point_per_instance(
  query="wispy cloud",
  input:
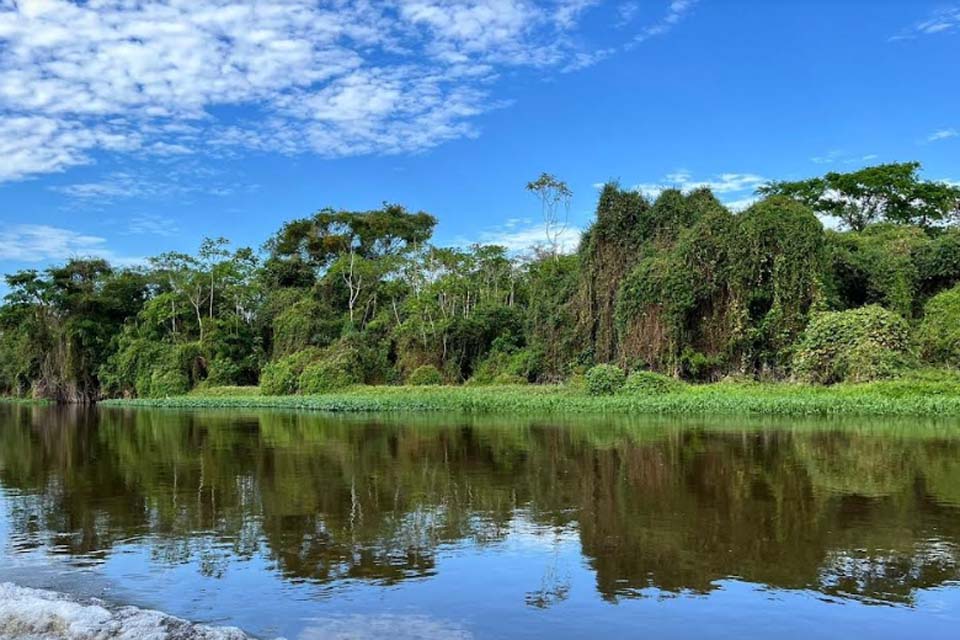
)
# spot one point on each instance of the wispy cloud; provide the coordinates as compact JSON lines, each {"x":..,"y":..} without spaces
{"x":153,"y":225}
{"x":942,"y":134}
{"x":518,"y":235}
{"x":178,"y":182}
{"x":626,"y":12}
{"x":40,"y":243}
{"x":337,"y":78}
{"x":677,"y":11}
{"x":735,"y":190}
{"x":943,"y":20}
{"x":840,"y":156}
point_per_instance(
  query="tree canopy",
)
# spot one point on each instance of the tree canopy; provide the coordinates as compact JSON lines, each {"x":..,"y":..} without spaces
{"x":892,"y":192}
{"x":677,"y":285}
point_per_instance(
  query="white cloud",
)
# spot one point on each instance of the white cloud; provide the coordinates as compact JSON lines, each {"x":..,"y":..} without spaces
{"x":723,"y":184}
{"x":735,"y":190}
{"x":40,"y":243}
{"x":335,"y":78}
{"x":944,"y":20}
{"x":839,"y":155}
{"x":152,"y":224}
{"x":520,"y":234}
{"x":677,"y":11}
{"x":942,"y":134}
{"x":829,"y":157}
{"x":177,"y":182}
{"x":626,"y":12}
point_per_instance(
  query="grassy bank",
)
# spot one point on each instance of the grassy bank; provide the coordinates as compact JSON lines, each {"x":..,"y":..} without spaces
{"x":923,"y":396}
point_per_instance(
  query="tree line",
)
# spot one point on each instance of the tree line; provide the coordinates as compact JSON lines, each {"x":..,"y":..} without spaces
{"x":678,"y":284}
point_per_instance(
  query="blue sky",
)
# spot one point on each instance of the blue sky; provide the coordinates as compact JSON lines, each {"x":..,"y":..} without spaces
{"x":127,"y":129}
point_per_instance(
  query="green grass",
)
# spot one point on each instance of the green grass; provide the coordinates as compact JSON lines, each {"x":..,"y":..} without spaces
{"x":924,"y":394}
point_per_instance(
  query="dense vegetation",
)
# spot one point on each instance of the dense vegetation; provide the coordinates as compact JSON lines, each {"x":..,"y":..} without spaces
{"x":678,"y":286}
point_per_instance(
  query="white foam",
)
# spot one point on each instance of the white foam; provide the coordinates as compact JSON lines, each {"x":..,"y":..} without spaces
{"x":32,"y":614}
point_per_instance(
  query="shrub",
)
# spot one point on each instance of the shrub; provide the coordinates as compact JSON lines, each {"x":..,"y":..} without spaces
{"x":425,"y":375}
{"x":604,"y":380}
{"x":223,"y":373}
{"x":510,"y":378}
{"x":857,"y":345}
{"x":650,"y":383}
{"x":938,"y":335}
{"x":524,"y":365}
{"x":328,"y":375}
{"x":282,"y":377}
{"x":339,"y":365}
{"x":166,"y":382}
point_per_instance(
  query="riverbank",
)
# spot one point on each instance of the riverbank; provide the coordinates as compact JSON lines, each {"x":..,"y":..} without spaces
{"x":927,"y":396}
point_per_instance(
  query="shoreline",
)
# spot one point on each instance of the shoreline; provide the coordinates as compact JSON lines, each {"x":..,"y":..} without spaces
{"x":893,"y":398}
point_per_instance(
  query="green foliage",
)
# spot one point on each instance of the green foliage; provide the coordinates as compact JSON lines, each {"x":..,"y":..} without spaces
{"x":938,"y":335}
{"x":604,"y":379}
{"x":857,"y":345}
{"x":892,"y":192}
{"x":515,"y":365}
{"x":731,"y":291}
{"x":936,"y":395}
{"x":777,"y":261}
{"x":650,"y":382}
{"x":679,"y":285}
{"x":304,"y":322}
{"x":335,"y":371}
{"x":282,"y":377}
{"x":425,"y":375}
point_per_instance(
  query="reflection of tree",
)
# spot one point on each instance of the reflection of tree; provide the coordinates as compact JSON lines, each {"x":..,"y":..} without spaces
{"x":847,"y":512}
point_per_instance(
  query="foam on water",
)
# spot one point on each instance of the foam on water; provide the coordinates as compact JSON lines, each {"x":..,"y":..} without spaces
{"x":32,"y":614}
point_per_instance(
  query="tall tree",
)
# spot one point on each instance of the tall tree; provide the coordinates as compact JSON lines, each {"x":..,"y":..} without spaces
{"x":892,"y":192}
{"x":554,"y":196}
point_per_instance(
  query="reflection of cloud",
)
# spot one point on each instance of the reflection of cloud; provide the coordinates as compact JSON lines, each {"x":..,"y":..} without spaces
{"x":395,"y":627}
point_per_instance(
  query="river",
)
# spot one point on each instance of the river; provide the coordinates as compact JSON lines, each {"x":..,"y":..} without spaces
{"x":306,"y":525}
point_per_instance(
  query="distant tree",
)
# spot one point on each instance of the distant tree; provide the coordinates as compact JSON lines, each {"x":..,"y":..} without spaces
{"x":356,"y":249}
{"x":330,"y":235}
{"x":554,"y":195}
{"x":892,"y":192}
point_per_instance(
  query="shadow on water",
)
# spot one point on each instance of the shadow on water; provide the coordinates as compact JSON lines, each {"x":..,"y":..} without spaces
{"x":855,"y":509}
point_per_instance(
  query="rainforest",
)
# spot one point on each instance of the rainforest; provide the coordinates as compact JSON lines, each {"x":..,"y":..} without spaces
{"x":664,"y":295}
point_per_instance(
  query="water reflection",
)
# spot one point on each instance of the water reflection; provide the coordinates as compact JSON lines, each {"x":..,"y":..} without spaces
{"x":871,"y":512}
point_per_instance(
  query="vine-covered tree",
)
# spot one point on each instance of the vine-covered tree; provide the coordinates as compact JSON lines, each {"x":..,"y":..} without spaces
{"x":678,"y":285}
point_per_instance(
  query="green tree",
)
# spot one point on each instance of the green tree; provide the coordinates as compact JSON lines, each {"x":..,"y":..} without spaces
{"x":892,"y":192}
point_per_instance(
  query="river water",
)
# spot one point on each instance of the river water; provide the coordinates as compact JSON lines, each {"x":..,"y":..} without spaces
{"x":304,"y":525}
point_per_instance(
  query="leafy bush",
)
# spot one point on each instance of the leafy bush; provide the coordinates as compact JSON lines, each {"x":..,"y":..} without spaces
{"x":329,"y":374}
{"x":604,"y":380}
{"x":282,"y":377}
{"x":938,"y":335}
{"x":425,"y":375}
{"x":649,"y":382}
{"x":166,"y":382}
{"x":223,"y":372}
{"x":857,"y":345}
{"x":523,"y":365}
